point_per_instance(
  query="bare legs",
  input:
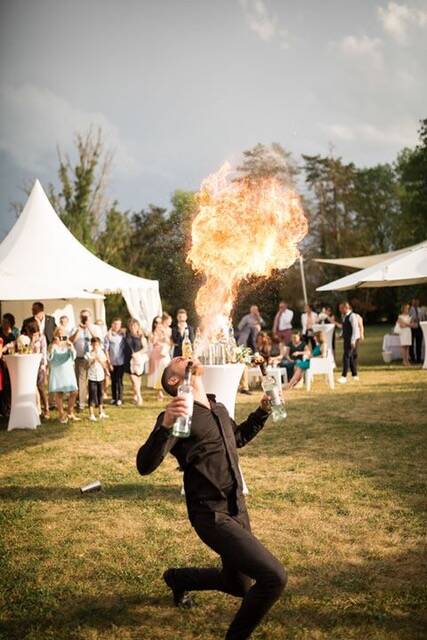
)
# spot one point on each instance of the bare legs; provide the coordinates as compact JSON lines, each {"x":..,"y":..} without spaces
{"x":136,"y":388}
{"x":405,"y":356}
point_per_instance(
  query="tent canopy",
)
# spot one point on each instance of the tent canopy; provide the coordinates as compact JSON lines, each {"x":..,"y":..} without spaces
{"x":409,"y":266}
{"x":45,"y":260}
{"x":363,"y":262}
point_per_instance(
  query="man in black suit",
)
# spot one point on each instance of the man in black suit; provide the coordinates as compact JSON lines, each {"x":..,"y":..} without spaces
{"x":46,"y":323}
{"x":215,"y":502}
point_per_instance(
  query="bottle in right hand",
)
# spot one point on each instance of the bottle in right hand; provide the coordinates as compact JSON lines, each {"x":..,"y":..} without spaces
{"x":274,"y":393}
{"x":182,"y":425}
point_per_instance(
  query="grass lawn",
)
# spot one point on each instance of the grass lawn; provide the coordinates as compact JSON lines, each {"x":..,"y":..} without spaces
{"x":337,"y":493}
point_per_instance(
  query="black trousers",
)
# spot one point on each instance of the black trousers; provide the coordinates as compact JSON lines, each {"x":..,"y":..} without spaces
{"x":416,"y":346}
{"x":244,"y":559}
{"x":117,"y":382}
{"x":96,"y":393}
{"x":349,"y":360}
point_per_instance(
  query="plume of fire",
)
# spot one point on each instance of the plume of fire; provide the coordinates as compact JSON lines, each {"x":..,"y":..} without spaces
{"x":242,"y":228}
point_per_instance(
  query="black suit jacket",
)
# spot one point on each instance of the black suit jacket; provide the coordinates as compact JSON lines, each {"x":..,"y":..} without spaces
{"x":49,"y":326}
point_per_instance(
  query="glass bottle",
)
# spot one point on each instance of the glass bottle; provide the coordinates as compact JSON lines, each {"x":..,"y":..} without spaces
{"x":274,"y":393}
{"x":187,"y":349}
{"x":182,"y":425}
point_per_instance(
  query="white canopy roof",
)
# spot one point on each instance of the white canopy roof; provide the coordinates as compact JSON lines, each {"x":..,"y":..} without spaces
{"x":409,"y":266}
{"x":362,"y":262}
{"x":44,"y":258}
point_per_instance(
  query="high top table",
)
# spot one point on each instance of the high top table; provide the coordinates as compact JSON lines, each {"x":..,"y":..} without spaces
{"x":423,"y":326}
{"x":23,"y":370}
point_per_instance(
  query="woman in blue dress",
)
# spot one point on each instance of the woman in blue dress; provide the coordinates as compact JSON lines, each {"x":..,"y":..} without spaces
{"x":62,"y":377}
{"x":319,"y":350}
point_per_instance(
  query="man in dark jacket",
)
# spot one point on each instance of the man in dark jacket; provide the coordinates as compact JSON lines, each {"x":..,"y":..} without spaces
{"x":215,"y":502}
{"x":46,"y":323}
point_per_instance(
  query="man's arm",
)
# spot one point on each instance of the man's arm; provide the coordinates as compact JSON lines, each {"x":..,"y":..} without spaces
{"x":253,"y":424}
{"x":160,"y":442}
{"x":355,"y":328}
{"x":153,"y":452}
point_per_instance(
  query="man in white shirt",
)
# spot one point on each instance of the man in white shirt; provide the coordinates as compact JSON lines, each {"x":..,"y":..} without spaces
{"x":81,"y":341}
{"x":282,"y":325}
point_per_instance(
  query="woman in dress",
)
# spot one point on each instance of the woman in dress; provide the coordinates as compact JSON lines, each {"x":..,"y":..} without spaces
{"x":405,"y":333}
{"x":39,"y":345}
{"x":136,"y":348}
{"x":152,"y":353}
{"x":161,"y":342}
{"x":319,"y":350}
{"x":62,"y":376}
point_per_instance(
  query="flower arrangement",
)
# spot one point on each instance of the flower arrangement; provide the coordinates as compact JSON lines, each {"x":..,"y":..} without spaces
{"x":23,"y":345}
{"x":243,"y":354}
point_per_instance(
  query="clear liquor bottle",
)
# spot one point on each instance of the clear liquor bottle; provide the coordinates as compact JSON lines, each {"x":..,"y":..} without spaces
{"x":182,"y":425}
{"x":274,"y":393}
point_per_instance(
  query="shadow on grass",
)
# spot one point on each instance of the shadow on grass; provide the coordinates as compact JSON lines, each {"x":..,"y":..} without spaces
{"x":20,"y":438}
{"x":142,"y":491}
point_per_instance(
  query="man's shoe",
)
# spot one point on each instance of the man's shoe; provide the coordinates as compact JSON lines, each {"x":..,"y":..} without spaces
{"x":342,"y":380}
{"x":181,"y":598}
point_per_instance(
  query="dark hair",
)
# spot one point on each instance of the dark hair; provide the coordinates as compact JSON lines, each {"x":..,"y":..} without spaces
{"x":181,"y":311}
{"x":38,"y":306}
{"x":30,"y":328}
{"x":116,"y":319}
{"x":95,"y":339}
{"x":171,"y":389}
{"x":9,"y":318}
{"x":154,"y":323}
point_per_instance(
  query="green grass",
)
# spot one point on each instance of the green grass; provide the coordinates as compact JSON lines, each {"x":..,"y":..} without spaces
{"x":337,"y":493}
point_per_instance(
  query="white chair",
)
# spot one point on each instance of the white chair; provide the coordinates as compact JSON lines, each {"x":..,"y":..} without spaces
{"x":320,"y":366}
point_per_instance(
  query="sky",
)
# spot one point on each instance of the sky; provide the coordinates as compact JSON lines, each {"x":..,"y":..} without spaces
{"x":180,"y":86}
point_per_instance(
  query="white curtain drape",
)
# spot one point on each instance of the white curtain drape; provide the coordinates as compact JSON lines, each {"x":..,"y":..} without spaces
{"x":143,"y":304}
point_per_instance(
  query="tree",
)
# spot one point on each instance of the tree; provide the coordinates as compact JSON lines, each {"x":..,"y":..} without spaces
{"x":268,"y":161}
{"x":113,"y":242}
{"x":82,"y":201}
{"x":411,"y":170}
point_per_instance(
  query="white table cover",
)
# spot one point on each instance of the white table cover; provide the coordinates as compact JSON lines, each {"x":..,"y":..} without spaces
{"x":423,"y":326}
{"x":328,"y":330}
{"x":23,"y":371}
{"x":391,"y":342}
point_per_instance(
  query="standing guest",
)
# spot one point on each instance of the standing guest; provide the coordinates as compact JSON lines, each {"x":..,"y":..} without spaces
{"x":178,"y":332}
{"x":136,"y":356}
{"x":62,"y":375}
{"x":153,"y":353}
{"x":160,"y":348}
{"x":351,"y":335}
{"x":249,"y":327}
{"x":101,"y":333}
{"x":417,"y":315}
{"x":81,"y":341}
{"x":65,"y":324}
{"x":31,"y":328}
{"x":11,"y":319}
{"x":114,"y":345}
{"x":97,"y":366}
{"x":308,"y":320}
{"x":405,"y":332}
{"x":215,"y":502}
{"x":282,"y":325}
{"x":47,"y":324}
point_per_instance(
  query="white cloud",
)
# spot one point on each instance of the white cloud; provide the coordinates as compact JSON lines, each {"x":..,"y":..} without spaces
{"x":259,"y":19}
{"x":398,"y":19}
{"x":35,"y":120}
{"x":401,"y":133}
{"x":364,"y":49}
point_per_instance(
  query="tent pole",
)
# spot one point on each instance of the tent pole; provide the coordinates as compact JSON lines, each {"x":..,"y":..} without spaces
{"x":304,"y":288}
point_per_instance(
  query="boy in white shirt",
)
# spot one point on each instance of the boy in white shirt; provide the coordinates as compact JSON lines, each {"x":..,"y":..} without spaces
{"x":97,"y":366}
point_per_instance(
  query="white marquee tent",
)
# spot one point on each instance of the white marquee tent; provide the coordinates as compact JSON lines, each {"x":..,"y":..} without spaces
{"x":403,"y":267}
{"x":362,"y":262}
{"x":41,"y":260}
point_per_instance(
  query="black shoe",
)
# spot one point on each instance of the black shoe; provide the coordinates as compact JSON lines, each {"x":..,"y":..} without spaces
{"x":181,"y":598}
{"x":246,"y":392}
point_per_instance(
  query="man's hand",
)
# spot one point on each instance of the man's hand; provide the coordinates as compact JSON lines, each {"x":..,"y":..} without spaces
{"x":176,"y":407}
{"x":353,"y":345}
{"x":265,"y":404}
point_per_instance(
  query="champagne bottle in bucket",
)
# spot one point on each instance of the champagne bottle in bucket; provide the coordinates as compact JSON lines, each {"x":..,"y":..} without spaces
{"x":274,"y":393}
{"x":182,"y":425}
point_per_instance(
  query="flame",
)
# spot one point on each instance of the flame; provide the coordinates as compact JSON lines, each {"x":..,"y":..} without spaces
{"x":242,"y":228}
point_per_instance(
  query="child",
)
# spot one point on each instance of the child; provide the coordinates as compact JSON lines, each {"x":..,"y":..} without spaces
{"x":97,"y":361}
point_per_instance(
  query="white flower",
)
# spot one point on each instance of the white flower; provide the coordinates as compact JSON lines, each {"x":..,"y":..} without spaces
{"x":23,"y":341}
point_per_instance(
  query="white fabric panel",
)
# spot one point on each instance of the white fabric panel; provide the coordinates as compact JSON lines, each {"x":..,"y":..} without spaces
{"x":363,"y":262}
{"x":143,"y":304}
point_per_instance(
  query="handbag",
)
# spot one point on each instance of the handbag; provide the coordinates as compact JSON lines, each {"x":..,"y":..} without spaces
{"x":137,"y":363}
{"x":397,"y":328}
